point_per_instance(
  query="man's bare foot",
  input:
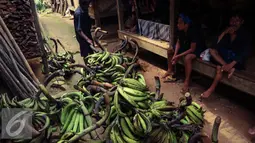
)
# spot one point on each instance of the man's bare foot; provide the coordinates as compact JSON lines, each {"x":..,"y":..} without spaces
{"x":167,"y":74}
{"x":231,"y":72}
{"x":252,"y":131}
{"x":185,"y":88}
{"x":206,"y":94}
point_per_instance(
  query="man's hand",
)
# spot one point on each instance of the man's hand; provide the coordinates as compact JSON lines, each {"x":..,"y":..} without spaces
{"x":230,"y":30}
{"x":228,"y":67}
{"x":175,"y":59}
{"x":90,"y":41}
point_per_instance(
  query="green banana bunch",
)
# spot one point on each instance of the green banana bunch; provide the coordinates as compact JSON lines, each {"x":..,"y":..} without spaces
{"x":41,"y":121}
{"x":162,"y":135}
{"x":134,"y":84}
{"x":195,"y":113}
{"x":141,"y":124}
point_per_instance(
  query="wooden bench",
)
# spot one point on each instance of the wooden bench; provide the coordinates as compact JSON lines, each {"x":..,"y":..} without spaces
{"x":241,"y":80}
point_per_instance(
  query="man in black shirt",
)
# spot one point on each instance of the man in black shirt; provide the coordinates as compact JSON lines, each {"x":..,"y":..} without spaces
{"x":189,"y":46}
{"x":82,"y":26}
{"x":230,"y":52}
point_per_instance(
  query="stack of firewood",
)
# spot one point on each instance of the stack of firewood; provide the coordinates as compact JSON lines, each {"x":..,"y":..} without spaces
{"x":59,"y":6}
{"x":14,"y":68}
{"x":17,"y":15}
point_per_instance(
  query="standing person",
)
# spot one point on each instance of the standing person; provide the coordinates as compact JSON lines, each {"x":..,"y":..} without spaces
{"x":82,"y":26}
{"x":230,"y":52}
{"x":189,"y":46}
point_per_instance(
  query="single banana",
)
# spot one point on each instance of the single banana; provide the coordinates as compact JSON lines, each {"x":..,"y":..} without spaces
{"x":126,"y":130}
{"x":117,"y":105}
{"x":141,"y":78}
{"x":76,"y":122}
{"x":71,"y":124}
{"x":134,"y":92}
{"x":125,"y":96}
{"x":81,"y":123}
{"x":68,"y":120}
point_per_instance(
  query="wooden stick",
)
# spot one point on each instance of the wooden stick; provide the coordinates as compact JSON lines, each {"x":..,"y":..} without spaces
{"x":6,"y":30}
{"x":39,"y":36}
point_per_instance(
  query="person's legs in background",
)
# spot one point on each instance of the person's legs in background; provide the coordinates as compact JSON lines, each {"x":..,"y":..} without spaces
{"x":216,"y":80}
{"x":188,"y":69}
{"x":169,"y":72}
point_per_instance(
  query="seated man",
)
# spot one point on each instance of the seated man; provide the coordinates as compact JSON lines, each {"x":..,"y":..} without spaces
{"x":189,"y":46}
{"x":230,"y":52}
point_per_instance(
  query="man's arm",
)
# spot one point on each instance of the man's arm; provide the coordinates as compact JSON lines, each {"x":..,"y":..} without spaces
{"x":191,"y":50}
{"x":79,"y":30}
{"x":177,"y":47}
{"x":83,"y":35}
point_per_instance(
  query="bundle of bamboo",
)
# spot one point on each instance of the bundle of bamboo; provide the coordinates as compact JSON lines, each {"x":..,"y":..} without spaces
{"x":14,"y":68}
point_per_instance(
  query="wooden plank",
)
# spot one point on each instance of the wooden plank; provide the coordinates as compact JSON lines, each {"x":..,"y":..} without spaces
{"x":155,"y":46}
{"x":96,"y":13}
{"x":40,"y":42}
{"x":120,"y":14}
{"x":172,"y":24}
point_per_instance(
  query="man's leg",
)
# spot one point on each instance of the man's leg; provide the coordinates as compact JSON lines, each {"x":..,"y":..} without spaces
{"x":214,"y":53}
{"x":170,"y":53}
{"x":188,"y":68}
{"x":217,"y":78}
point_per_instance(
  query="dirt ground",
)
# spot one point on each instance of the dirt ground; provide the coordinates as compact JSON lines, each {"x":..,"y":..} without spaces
{"x":235,"y":108}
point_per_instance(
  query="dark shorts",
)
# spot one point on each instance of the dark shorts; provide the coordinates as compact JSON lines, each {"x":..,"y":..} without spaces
{"x":185,"y":48}
{"x":85,"y":49}
{"x":227,"y":56}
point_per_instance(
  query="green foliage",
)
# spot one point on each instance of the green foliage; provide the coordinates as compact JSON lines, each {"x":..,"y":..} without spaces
{"x":41,"y":7}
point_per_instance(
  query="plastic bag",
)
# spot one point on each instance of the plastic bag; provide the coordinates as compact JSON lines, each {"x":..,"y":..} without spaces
{"x":205,"y":56}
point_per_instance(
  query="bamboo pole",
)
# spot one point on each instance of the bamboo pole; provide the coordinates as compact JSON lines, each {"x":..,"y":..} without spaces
{"x":96,"y":13}
{"x":120,"y":15}
{"x":17,"y":49}
{"x":172,"y":23}
{"x":40,"y":38}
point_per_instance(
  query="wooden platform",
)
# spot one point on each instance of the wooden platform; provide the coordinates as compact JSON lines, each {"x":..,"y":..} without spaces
{"x":241,"y":80}
{"x":155,"y":46}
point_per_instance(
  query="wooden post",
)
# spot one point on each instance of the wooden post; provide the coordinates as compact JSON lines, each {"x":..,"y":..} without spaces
{"x":96,"y":13}
{"x":120,"y":14}
{"x":39,"y":36}
{"x":172,"y":23}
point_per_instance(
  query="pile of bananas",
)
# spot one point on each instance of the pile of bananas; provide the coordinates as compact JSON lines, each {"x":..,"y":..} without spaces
{"x":75,"y":114}
{"x":109,"y":67}
{"x":137,"y":115}
{"x":130,"y":112}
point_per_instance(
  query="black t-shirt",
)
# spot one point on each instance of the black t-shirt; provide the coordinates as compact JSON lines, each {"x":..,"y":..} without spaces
{"x":82,"y":22}
{"x":193,"y":35}
{"x":240,"y":46}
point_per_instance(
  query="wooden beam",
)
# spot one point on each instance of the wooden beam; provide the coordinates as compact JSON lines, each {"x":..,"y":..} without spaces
{"x":96,"y":13}
{"x":172,"y":24}
{"x":40,"y":38}
{"x":120,"y":14}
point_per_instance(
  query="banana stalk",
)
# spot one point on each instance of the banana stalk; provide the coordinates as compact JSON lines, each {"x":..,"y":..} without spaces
{"x":215,"y":131}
